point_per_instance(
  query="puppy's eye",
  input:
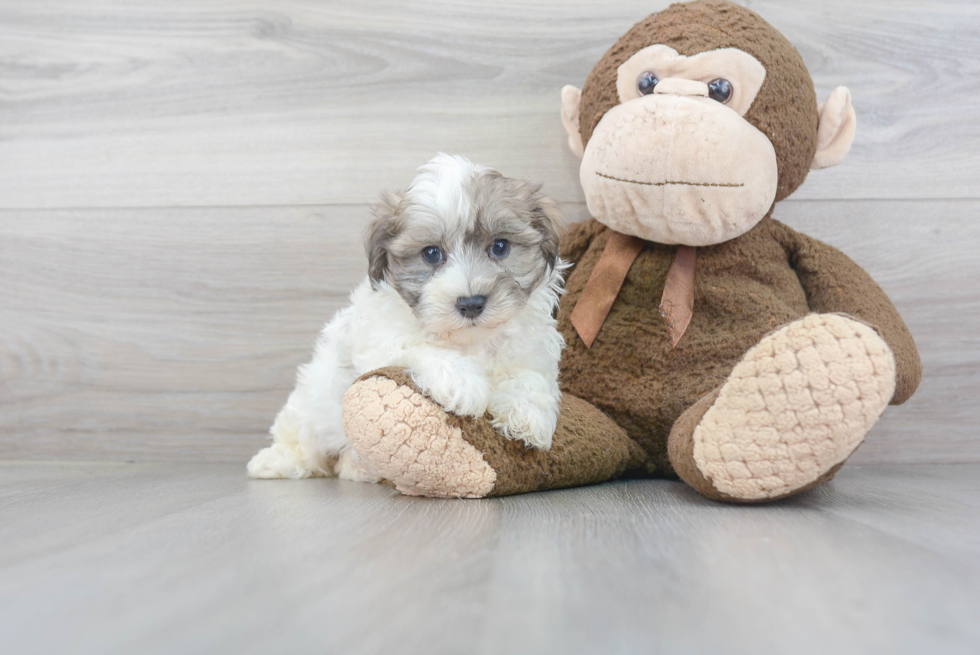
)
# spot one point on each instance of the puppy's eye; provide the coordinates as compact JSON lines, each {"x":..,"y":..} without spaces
{"x":720,"y":90}
{"x":432,"y":255}
{"x":645,"y":83}
{"x":500,"y":249}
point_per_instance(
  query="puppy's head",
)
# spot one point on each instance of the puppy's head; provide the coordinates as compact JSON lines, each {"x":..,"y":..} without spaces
{"x":464,"y":246}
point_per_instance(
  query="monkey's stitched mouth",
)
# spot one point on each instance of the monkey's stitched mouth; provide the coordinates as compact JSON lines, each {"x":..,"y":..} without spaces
{"x":666,"y":183}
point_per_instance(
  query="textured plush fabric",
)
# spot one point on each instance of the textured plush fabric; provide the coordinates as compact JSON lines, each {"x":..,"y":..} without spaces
{"x":678,"y":169}
{"x":422,"y":450}
{"x":676,"y":71}
{"x":834,"y":283}
{"x":744,"y":289}
{"x":588,"y":447}
{"x":795,"y":406}
{"x":681,"y":446}
{"x":406,"y":438}
{"x":785,"y":109}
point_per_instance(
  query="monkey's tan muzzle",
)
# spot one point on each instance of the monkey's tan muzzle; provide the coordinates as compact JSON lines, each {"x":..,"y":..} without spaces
{"x":678,"y":168}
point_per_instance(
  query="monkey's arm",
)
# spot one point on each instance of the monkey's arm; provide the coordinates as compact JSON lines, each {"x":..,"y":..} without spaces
{"x":834,"y":283}
{"x":577,"y":239}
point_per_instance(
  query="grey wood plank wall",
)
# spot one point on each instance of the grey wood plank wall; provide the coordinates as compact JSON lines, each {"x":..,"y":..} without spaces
{"x":183,"y":186}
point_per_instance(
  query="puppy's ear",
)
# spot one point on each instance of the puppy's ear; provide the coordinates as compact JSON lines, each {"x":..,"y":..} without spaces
{"x":380,"y":233}
{"x":548,"y":221}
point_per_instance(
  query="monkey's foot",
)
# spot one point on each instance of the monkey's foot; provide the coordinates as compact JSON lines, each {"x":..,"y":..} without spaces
{"x":410,"y":441}
{"x":424,"y":451}
{"x":789,"y":415}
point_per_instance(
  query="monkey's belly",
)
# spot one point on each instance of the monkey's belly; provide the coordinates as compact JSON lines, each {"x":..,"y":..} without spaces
{"x":632,"y":373}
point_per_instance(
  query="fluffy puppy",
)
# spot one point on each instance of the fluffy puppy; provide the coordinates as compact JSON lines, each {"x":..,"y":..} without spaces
{"x":463,"y":282}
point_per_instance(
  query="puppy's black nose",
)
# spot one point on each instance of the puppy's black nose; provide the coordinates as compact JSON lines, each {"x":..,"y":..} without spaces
{"x":471,"y":306}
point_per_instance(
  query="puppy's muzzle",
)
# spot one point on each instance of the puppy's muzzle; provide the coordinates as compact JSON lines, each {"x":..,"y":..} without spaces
{"x":471,"y":306}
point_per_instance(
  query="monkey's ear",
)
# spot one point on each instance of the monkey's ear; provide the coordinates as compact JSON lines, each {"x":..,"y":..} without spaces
{"x":571,"y":98}
{"x":379,"y":234}
{"x":836,"y":131}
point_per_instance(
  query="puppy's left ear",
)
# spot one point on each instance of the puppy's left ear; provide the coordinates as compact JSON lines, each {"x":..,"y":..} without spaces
{"x":548,"y":221}
{"x":379,"y":234}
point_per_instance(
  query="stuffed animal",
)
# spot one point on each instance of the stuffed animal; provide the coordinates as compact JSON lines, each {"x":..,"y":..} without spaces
{"x":705,"y":340}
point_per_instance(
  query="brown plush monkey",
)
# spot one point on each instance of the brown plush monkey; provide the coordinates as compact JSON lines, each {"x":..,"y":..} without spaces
{"x":705,"y":339}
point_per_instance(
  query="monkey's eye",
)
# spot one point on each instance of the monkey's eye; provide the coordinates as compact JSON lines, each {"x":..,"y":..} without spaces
{"x":500,"y":249}
{"x":432,"y":255}
{"x":645,"y":83}
{"x":720,"y":90}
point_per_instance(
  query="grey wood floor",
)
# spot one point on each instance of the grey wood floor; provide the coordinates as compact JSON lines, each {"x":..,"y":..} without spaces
{"x":194,"y":558}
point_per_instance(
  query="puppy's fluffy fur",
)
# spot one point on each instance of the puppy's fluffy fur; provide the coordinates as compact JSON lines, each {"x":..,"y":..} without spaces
{"x":497,"y":241}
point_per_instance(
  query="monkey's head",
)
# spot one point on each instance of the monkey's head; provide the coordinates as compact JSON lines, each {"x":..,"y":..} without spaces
{"x":696,"y":122}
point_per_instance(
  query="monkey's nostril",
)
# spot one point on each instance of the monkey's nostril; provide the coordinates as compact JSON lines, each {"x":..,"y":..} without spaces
{"x":471,"y":306}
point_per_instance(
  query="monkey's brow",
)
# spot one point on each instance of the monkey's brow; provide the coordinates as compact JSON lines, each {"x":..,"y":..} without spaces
{"x":619,"y":179}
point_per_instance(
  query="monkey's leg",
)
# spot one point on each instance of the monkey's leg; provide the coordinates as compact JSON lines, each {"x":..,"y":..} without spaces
{"x":425,"y":451}
{"x":789,"y":415}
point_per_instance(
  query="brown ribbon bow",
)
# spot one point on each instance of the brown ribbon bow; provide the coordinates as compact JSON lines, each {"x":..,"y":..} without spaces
{"x":599,"y":294}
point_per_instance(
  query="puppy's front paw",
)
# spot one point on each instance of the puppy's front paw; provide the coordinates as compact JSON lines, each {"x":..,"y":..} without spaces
{"x":459,"y":387}
{"x":522,"y":419}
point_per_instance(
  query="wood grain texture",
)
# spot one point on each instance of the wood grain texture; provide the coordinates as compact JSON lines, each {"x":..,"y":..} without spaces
{"x":192,"y":558}
{"x":175,"y":333}
{"x":119,"y":326}
{"x":189,"y":103}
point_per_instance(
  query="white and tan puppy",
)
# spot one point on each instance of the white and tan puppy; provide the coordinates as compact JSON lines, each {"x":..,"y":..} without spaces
{"x":463,"y":283}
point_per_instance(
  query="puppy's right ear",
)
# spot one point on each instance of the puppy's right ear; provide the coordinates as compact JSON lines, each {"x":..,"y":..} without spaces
{"x":379,"y":235}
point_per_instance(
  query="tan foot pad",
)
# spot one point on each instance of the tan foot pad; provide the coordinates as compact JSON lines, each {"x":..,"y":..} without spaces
{"x":408,"y":440}
{"x":796,"y":406}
